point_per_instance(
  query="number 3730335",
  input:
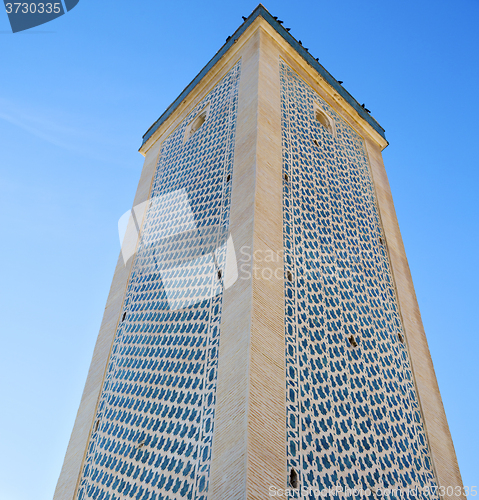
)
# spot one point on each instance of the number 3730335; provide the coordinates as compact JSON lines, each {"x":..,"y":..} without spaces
{"x":33,"y":8}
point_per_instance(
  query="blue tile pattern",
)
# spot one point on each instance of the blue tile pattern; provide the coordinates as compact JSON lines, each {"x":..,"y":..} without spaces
{"x":353,"y":417}
{"x":153,"y":430}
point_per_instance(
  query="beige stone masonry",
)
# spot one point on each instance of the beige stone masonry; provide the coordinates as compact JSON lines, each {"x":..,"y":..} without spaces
{"x":267,"y":418}
{"x":229,"y":453}
{"x":437,"y":429}
{"x":249,"y":444}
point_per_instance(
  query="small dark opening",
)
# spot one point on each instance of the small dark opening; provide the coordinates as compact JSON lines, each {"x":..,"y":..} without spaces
{"x":286,"y":178}
{"x":290,"y":276}
{"x":401,"y":338}
{"x":219,"y":275}
{"x":123,"y":317}
{"x":381,"y":240}
{"x":293,"y":479}
{"x":228,"y":177}
{"x":352,"y":341}
{"x":140,"y":445}
{"x":95,"y":428}
{"x":316,"y":143}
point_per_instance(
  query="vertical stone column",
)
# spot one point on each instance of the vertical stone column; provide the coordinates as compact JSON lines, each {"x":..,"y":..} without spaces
{"x":229,"y":453}
{"x":249,"y":444}
{"x":435,"y":422}
{"x":267,"y":406}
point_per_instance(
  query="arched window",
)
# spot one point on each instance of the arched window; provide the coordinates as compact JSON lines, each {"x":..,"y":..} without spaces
{"x":197,"y":122}
{"x":324,"y":119}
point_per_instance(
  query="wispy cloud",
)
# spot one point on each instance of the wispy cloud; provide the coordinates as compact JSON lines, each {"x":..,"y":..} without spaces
{"x":34,"y":122}
{"x":56,"y":128}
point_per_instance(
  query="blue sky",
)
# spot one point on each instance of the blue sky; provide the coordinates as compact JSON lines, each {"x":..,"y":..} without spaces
{"x":77,"y":94}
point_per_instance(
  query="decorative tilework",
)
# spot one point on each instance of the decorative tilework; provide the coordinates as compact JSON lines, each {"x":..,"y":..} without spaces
{"x":353,"y":417}
{"x":153,"y":430}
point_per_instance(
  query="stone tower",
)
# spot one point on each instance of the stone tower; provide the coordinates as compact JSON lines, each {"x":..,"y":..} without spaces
{"x":262,"y":332}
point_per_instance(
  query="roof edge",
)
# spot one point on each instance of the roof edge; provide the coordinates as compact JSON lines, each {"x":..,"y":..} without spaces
{"x":260,"y":10}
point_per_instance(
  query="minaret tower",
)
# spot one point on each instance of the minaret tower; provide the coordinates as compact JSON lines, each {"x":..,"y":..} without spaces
{"x":262,"y":333}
